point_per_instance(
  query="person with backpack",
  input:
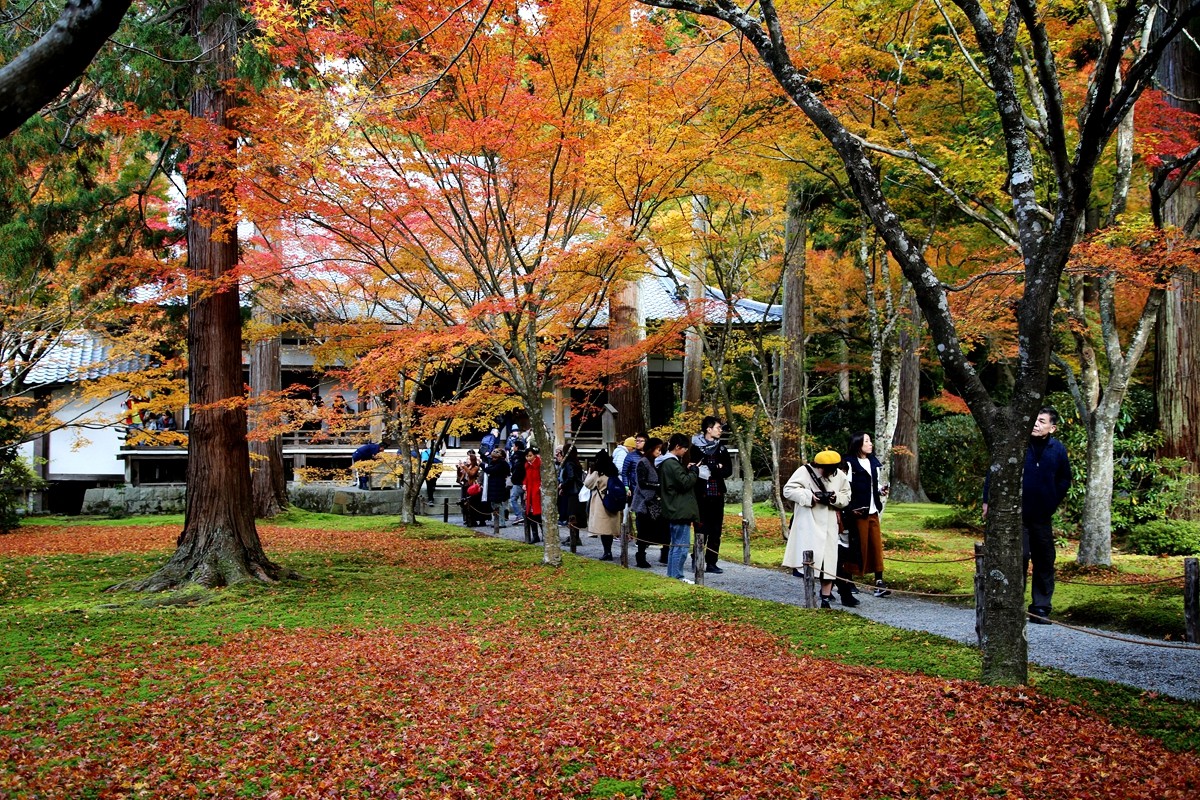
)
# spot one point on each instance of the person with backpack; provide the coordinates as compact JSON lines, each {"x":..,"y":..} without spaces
{"x":604,"y":483}
{"x":818,"y":490}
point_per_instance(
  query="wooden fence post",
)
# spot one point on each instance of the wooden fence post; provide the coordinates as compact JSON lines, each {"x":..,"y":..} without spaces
{"x":1191,"y":599}
{"x":745,"y":540}
{"x":445,"y":509}
{"x":979,"y":603}
{"x":810,"y":594}
{"x":625,"y":523}
{"x":496,"y":521}
{"x":573,"y":533}
{"x":699,"y":540}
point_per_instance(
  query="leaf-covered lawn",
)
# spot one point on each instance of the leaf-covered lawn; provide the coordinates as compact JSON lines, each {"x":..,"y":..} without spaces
{"x":496,"y":677}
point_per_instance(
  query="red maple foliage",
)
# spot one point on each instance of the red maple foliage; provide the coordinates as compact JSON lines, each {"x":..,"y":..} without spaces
{"x":543,"y":706}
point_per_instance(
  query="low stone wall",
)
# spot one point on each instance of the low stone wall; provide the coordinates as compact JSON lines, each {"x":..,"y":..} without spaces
{"x":344,"y":499}
{"x":124,"y":501}
{"x":763,"y":491}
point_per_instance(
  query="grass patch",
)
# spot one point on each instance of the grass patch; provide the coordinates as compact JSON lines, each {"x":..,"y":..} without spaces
{"x":80,"y":663}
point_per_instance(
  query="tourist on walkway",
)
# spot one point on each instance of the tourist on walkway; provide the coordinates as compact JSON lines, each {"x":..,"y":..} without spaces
{"x":495,"y":487}
{"x":1044,"y":485}
{"x":516,"y":476}
{"x":818,"y":493}
{"x":715,"y":465}
{"x":602,"y":522}
{"x":636,"y":445}
{"x":678,"y":487}
{"x":647,"y":503}
{"x":488,"y":443}
{"x":365,"y":452}
{"x":867,"y":498}
{"x":570,"y":480}
{"x":533,"y":494}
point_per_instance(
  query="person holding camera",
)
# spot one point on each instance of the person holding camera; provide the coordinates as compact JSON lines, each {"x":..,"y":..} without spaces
{"x":713,"y":465}
{"x":818,"y":490}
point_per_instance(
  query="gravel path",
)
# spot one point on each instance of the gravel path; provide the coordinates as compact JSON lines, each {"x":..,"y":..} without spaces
{"x":1141,"y":663}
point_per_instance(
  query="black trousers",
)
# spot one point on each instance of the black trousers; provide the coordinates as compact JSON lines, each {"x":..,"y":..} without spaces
{"x":712,"y":516}
{"x":1037,"y":541}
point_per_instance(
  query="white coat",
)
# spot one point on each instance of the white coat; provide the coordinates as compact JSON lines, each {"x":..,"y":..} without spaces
{"x":815,"y":527}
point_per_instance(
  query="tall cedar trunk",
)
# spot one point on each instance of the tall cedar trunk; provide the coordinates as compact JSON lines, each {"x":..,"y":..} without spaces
{"x":219,"y":544}
{"x":906,"y":458}
{"x":1177,"y":352}
{"x":269,"y":484}
{"x":791,"y":380}
{"x":625,"y":330}
{"x":693,"y":339}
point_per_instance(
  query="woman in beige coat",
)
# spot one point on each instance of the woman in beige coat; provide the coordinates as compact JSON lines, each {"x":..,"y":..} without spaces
{"x":818,"y":493}
{"x":600,"y":522}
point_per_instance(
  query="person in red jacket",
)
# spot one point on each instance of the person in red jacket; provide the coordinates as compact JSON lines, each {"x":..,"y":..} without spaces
{"x":533,"y":493}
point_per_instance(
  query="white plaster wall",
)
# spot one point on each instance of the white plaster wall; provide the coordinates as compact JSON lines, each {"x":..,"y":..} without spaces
{"x":78,"y":450}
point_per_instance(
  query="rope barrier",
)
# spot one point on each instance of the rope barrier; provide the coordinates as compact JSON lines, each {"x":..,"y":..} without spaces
{"x":926,"y":561}
{"x":1115,"y":637}
{"x":1120,"y":585}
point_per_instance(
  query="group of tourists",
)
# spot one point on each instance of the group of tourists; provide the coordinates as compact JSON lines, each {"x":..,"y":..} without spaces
{"x":668,"y":489}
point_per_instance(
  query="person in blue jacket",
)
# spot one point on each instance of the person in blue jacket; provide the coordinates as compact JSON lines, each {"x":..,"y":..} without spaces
{"x":1044,"y":485}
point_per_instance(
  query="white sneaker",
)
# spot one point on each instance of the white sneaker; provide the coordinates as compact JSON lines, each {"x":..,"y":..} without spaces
{"x":688,"y":581}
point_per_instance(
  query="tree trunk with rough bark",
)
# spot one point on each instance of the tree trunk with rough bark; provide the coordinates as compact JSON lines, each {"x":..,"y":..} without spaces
{"x":627,"y":390}
{"x":219,"y":544}
{"x":906,"y":457}
{"x":693,"y":339}
{"x":269,"y":484}
{"x":1177,"y":348}
{"x":791,"y":379}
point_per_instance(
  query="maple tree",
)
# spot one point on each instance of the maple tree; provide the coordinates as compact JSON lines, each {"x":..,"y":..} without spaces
{"x":500,"y":178}
{"x":1047,"y":206}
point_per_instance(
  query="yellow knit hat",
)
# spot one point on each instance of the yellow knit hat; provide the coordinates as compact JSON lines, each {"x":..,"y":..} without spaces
{"x":631,"y":442}
{"x":828,"y":458}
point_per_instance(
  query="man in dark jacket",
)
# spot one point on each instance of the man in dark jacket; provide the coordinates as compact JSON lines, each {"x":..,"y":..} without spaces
{"x":496,"y":470}
{"x":516,"y":476}
{"x":714,"y":465}
{"x":1044,"y":484}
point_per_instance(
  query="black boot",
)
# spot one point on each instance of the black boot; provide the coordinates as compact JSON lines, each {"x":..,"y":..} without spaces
{"x":641,"y":560}
{"x":662,"y":558}
{"x":848,"y":598}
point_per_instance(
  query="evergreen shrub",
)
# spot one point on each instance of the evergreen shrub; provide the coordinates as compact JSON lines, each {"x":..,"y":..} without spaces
{"x":1172,"y":537}
{"x":953,"y":460}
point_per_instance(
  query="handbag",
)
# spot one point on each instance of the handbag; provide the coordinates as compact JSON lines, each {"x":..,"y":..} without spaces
{"x":585,"y":494}
{"x":654,"y":507}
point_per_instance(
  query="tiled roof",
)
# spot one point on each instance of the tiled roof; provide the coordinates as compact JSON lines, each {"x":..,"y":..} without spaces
{"x":662,"y":298}
{"x":79,"y":356}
